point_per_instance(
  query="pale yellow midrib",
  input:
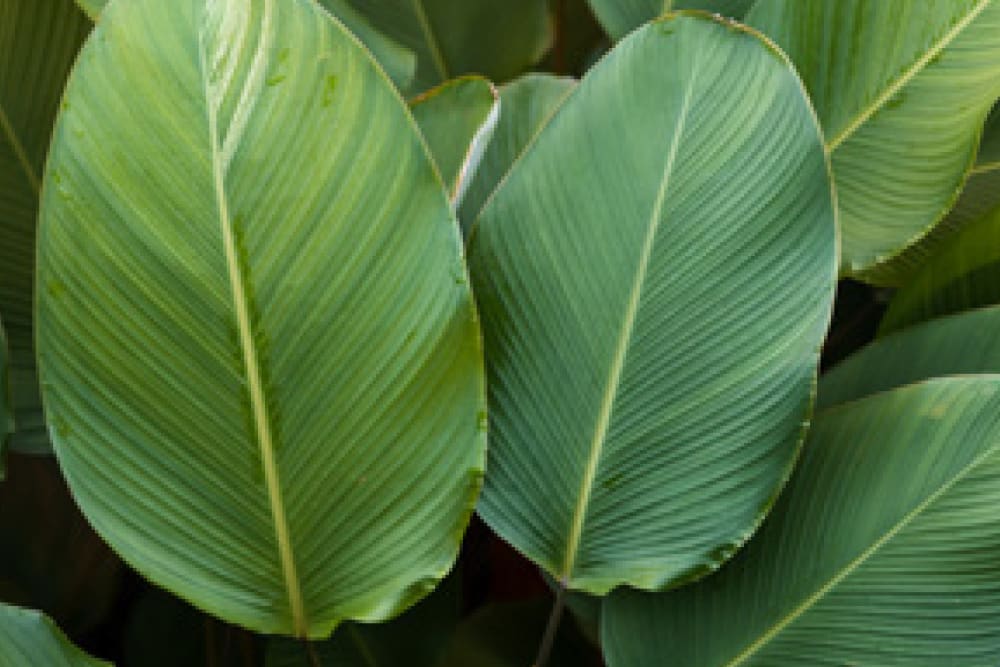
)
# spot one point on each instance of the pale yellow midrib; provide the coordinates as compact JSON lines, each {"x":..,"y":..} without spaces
{"x":19,"y":151}
{"x":254,"y":378}
{"x":985,"y":168}
{"x":621,"y":349}
{"x":849,"y":569}
{"x":435,"y":48}
{"x":906,"y":77}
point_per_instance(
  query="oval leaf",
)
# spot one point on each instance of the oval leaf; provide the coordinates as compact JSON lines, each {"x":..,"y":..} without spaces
{"x":399,"y":62}
{"x":653,"y":301}
{"x":457,"y":119}
{"x":619,"y":17}
{"x":262,"y":362}
{"x":38,"y":42}
{"x":965,"y":273}
{"x":878,"y":552}
{"x":28,"y":639}
{"x":527,"y":105}
{"x":902,"y":90}
{"x":963,"y":344}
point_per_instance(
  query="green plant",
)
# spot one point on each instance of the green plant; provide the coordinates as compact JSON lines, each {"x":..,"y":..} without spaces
{"x":297,"y":279}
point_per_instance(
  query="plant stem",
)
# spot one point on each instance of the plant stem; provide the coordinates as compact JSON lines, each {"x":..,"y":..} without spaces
{"x":549,"y":638}
{"x":314,"y":660}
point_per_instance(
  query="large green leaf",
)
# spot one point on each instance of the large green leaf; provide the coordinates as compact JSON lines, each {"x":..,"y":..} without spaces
{"x":38,"y":41}
{"x":29,"y":639}
{"x":653,"y":301}
{"x":963,"y":274}
{"x":962,"y":344}
{"x":902,"y":89}
{"x":453,"y":37}
{"x":399,"y":62}
{"x":881,"y":551}
{"x":621,"y":16}
{"x":980,"y":196}
{"x":458,"y":119}
{"x":260,"y":356}
{"x":526,"y":107}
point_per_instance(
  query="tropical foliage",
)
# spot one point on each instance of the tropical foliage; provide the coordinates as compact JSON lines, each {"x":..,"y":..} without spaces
{"x":449,"y":333}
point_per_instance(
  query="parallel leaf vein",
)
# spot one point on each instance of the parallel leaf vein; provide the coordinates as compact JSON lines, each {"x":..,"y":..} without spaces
{"x":432,"y":42}
{"x":255,"y":382}
{"x":906,"y":77}
{"x":852,"y":566}
{"x":621,"y":349}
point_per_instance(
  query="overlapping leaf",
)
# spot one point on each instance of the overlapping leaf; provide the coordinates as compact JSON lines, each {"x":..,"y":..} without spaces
{"x":902,"y":90}
{"x":963,"y":274}
{"x":980,"y":195}
{"x":879,"y":552}
{"x":655,"y":277}
{"x":38,"y":41}
{"x":454,"y":37}
{"x":458,"y":119}
{"x":29,"y":639}
{"x":961,"y":344}
{"x":621,"y":16}
{"x":399,"y":62}
{"x":527,"y":105}
{"x":260,"y":355}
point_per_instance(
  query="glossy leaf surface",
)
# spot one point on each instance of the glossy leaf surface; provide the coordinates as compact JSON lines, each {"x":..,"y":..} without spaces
{"x":879,"y":552}
{"x":38,"y":41}
{"x":458,"y":119}
{"x":652,"y":320}
{"x":902,"y":90}
{"x":261,"y":356}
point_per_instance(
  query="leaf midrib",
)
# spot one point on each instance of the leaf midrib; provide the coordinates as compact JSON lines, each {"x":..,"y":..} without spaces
{"x":221,"y":154}
{"x":911,"y":72}
{"x":621,"y":348}
{"x":807,"y":604}
{"x":437,"y":55}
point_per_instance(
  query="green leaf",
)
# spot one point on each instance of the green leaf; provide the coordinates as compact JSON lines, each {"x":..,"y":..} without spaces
{"x":264,"y":389}
{"x":399,"y":62}
{"x":980,"y":196}
{"x":458,"y":119}
{"x":38,"y":42}
{"x":902,"y":90}
{"x":418,"y":638}
{"x":963,"y":274}
{"x":29,"y":639}
{"x":879,"y":552}
{"x":619,"y":17}
{"x":526,"y":107}
{"x":453,"y":37}
{"x":962,"y":344}
{"x":653,"y":301}
{"x":50,"y":558}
